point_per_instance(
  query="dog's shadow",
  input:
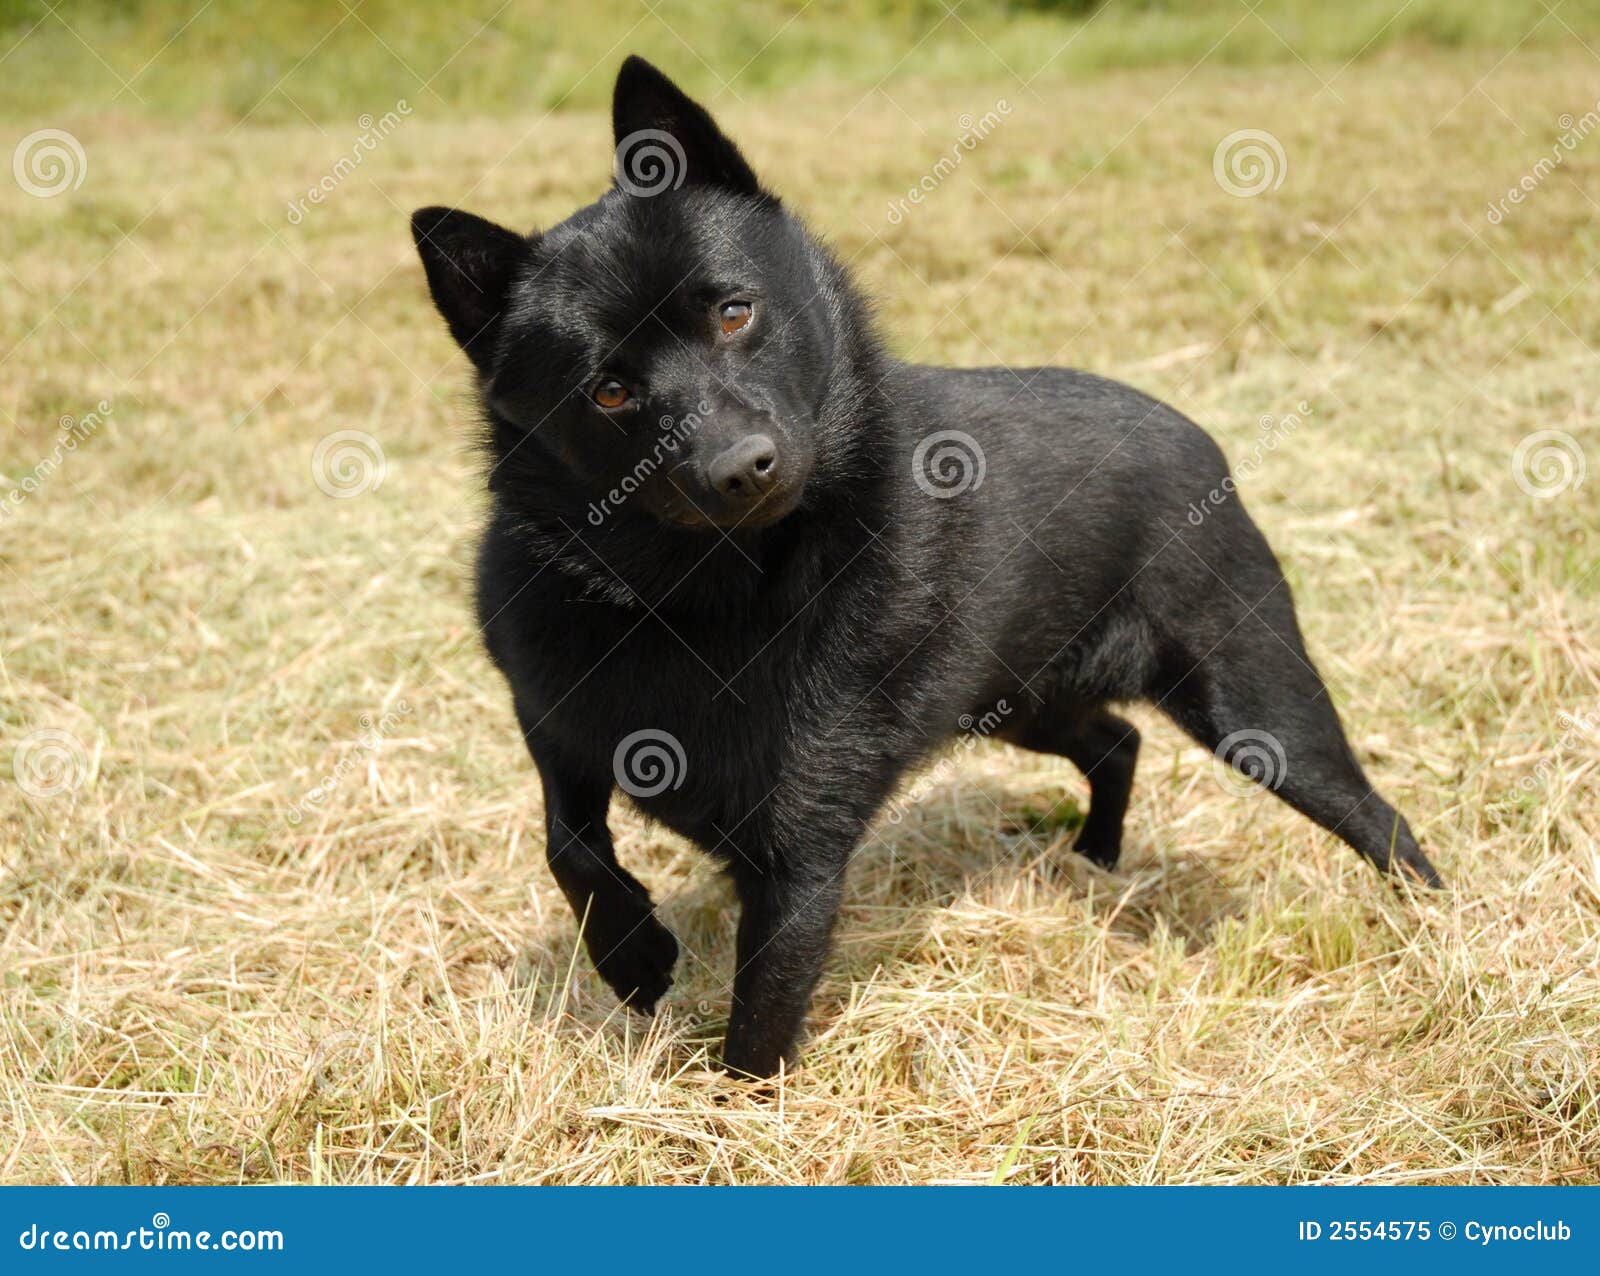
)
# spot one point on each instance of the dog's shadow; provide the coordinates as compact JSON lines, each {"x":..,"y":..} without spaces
{"x":998,"y":845}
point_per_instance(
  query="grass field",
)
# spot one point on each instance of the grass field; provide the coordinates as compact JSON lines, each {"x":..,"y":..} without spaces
{"x":272,"y":898}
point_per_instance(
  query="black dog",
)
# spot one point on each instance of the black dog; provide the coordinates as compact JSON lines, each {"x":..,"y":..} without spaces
{"x":750,"y":569}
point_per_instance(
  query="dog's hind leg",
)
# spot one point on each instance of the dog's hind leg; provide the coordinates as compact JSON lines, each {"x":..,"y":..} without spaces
{"x":1106,"y":749}
{"x":1255,"y":700}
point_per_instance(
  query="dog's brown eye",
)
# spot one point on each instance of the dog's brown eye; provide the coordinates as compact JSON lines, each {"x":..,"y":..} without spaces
{"x":608,"y":392}
{"x":735,"y":314}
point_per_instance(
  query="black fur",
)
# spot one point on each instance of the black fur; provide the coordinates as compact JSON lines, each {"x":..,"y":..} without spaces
{"x":747,"y":562}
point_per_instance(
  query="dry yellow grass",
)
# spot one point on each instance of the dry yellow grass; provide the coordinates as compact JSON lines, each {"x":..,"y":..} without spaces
{"x":197,"y":988}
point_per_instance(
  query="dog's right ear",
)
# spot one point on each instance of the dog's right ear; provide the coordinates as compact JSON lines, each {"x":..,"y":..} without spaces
{"x":470,"y":264}
{"x":664,"y":138}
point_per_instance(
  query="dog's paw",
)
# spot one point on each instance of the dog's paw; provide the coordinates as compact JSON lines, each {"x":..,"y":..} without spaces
{"x":635,"y":954}
{"x":1099,"y":849}
{"x":754,"y":1065}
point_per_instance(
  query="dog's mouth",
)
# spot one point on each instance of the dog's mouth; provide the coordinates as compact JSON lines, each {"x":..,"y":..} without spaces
{"x":771,"y":507}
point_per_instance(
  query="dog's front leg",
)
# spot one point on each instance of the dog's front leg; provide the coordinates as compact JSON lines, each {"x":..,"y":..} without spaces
{"x":633,"y":952}
{"x":786,"y":919}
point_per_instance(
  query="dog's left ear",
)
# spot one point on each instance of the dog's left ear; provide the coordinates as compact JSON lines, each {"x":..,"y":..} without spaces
{"x":470,"y":263}
{"x":665,"y":139}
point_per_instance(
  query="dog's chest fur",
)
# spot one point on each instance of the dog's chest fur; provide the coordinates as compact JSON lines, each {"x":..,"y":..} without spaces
{"x":737,"y":701}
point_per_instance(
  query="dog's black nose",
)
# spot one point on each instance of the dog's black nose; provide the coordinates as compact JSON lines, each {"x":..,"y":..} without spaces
{"x":746,"y":470}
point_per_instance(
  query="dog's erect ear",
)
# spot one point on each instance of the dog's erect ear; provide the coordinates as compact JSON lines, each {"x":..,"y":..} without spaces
{"x":665,"y":140}
{"x":470,"y":263}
